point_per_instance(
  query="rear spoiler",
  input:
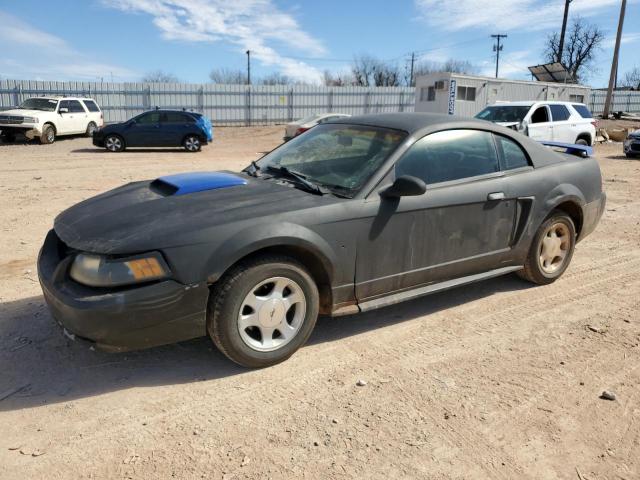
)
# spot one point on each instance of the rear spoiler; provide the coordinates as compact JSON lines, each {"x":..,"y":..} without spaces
{"x":570,"y":148}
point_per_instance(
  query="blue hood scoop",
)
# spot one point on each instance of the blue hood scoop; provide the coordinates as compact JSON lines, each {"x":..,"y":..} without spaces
{"x":185,"y":183}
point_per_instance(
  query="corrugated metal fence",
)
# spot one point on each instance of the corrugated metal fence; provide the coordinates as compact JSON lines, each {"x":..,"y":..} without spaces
{"x":622,"y":101}
{"x":243,"y":105}
{"x":224,"y":104}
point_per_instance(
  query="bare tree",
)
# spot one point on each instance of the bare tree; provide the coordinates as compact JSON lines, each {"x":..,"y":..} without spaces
{"x":159,"y":76}
{"x":632,"y":79}
{"x":369,"y":71}
{"x":227,"y":76}
{"x":580,"y":48}
{"x":277,"y":78}
{"x":338,"y":79}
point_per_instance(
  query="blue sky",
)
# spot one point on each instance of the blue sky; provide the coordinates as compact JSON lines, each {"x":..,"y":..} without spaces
{"x":124,"y":39}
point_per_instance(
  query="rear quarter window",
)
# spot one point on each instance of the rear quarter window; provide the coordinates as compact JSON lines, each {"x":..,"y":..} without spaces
{"x":91,"y":105}
{"x":583,"y":111}
{"x":513,"y":156}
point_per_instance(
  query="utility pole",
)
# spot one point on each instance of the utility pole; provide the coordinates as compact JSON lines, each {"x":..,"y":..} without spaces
{"x":564,"y":29}
{"x":498,"y":48}
{"x":614,"y":64}
{"x":248,"y":67}
{"x":413,"y":59}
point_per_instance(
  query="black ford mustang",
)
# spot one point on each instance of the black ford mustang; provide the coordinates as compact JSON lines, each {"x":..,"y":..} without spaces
{"x":351,"y":216}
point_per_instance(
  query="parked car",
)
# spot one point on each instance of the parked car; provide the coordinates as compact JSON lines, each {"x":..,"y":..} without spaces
{"x":632,"y":144}
{"x":565,"y":122}
{"x":351,"y":216}
{"x":157,"y":128}
{"x":46,"y":118}
{"x":294,"y":129}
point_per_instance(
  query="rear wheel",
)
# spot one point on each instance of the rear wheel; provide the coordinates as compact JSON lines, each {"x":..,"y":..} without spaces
{"x":90,"y":129}
{"x":48,"y":135}
{"x":582,"y":141}
{"x":192,"y":143}
{"x":551,"y":250}
{"x":263,"y":311}
{"x":114,"y":143}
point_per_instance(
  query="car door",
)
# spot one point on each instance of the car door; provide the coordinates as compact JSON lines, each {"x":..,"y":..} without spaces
{"x":144,"y":131}
{"x":462,"y":225}
{"x":64,"y":124}
{"x":174,"y":126}
{"x":562,"y":129}
{"x":539,"y":126}
{"x":78,"y":117}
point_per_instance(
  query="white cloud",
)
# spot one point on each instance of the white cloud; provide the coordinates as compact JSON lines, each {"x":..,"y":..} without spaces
{"x":255,"y":25}
{"x":48,"y":57}
{"x":512,"y":65}
{"x":631,"y":37}
{"x":506,"y":15}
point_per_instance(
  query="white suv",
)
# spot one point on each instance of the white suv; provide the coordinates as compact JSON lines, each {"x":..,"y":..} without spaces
{"x":565,"y":122}
{"x":48,"y":117}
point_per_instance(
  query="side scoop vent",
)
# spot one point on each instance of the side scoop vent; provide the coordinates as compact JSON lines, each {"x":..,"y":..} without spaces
{"x":185,"y":183}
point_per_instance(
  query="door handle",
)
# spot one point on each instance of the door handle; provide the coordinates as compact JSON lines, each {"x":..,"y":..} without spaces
{"x":492,"y":197}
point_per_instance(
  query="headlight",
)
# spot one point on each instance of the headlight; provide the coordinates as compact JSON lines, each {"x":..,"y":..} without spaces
{"x":30,"y":119}
{"x":98,"y":271}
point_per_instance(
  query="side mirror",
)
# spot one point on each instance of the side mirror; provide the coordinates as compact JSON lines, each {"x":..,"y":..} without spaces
{"x":63,"y":110}
{"x":405,"y":186}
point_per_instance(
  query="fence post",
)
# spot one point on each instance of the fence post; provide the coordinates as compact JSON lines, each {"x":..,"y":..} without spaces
{"x":290,"y":105}
{"x":200,"y":99}
{"x":366,"y":101}
{"x":402,"y":101}
{"x":330,"y":101}
{"x":247,"y":110}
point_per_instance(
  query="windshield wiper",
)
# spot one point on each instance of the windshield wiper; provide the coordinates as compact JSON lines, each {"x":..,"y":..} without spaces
{"x":253,"y":169}
{"x":301,"y":179}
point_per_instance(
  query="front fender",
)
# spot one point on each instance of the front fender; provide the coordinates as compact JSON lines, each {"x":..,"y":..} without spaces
{"x":254,"y":238}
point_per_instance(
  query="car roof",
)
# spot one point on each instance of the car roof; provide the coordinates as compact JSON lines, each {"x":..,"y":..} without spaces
{"x":528,"y":103}
{"x":59,"y":97}
{"x":408,"y":122}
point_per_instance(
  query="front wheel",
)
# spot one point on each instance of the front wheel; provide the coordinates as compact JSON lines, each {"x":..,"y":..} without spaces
{"x":48,"y":135}
{"x":263,"y":311}
{"x":551,"y":250}
{"x":114,"y":143}
{"x":192,"y":143}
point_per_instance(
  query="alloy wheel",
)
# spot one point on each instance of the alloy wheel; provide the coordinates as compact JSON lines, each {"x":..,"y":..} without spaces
{"x":192,"y":144}
{"x":554,"y":247}
{"x":272,"y":314}
{"x":113,"y":144}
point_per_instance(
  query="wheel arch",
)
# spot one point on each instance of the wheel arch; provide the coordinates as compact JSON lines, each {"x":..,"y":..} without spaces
{"x":50,"y":123}
{"x":299,"y":243}
{"x":585,"y":136}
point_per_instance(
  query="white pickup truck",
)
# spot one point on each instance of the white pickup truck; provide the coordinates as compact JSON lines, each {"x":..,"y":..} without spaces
{"x":565,"y":122}
{"x":46,"y":118}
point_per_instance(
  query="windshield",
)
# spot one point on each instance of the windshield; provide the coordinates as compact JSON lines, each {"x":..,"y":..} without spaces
{"x":504,"y":113}
{"x":44,"y":104}
{"x":337,"y":156}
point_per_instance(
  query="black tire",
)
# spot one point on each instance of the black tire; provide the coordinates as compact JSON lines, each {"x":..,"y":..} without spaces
{"x":582,"y":141}
{"x":114,"y":143}
{"x":8,"y":137}
{"x":192,"y":143}
{"x":48,"y":135}
{"x":92,"y":127}
{"x":533,"y":269}
{"x":227,"y":298}
{"x":630,"y":155}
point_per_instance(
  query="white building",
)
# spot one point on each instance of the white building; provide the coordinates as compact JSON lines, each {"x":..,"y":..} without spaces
{"x":466,"y":95}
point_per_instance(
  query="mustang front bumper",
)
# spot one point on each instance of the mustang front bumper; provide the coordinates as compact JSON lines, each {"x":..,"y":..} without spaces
{"x":120,"y":319}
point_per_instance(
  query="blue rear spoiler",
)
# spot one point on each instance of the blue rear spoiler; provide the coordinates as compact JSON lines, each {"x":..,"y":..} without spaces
{"x":570,"y":148}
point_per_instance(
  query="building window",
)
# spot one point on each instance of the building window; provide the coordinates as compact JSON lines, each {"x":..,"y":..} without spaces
{"x":427,"y":94}
{"x":576,"y":98}
{"x":466,"y":93}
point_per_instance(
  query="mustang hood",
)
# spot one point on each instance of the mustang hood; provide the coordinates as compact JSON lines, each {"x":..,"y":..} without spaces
{"x":174,"y":210}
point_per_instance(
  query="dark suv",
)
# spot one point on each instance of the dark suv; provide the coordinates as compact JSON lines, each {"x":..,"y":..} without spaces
{"x":157,"y":128}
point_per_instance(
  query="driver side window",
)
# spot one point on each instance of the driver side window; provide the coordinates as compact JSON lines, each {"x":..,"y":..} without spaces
{"x":540,"y":115}
{"x":148,"y":118}
{"x":450,"y":155}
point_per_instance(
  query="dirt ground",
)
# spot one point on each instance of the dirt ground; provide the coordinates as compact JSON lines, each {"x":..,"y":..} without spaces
{"x":497,"y":380}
